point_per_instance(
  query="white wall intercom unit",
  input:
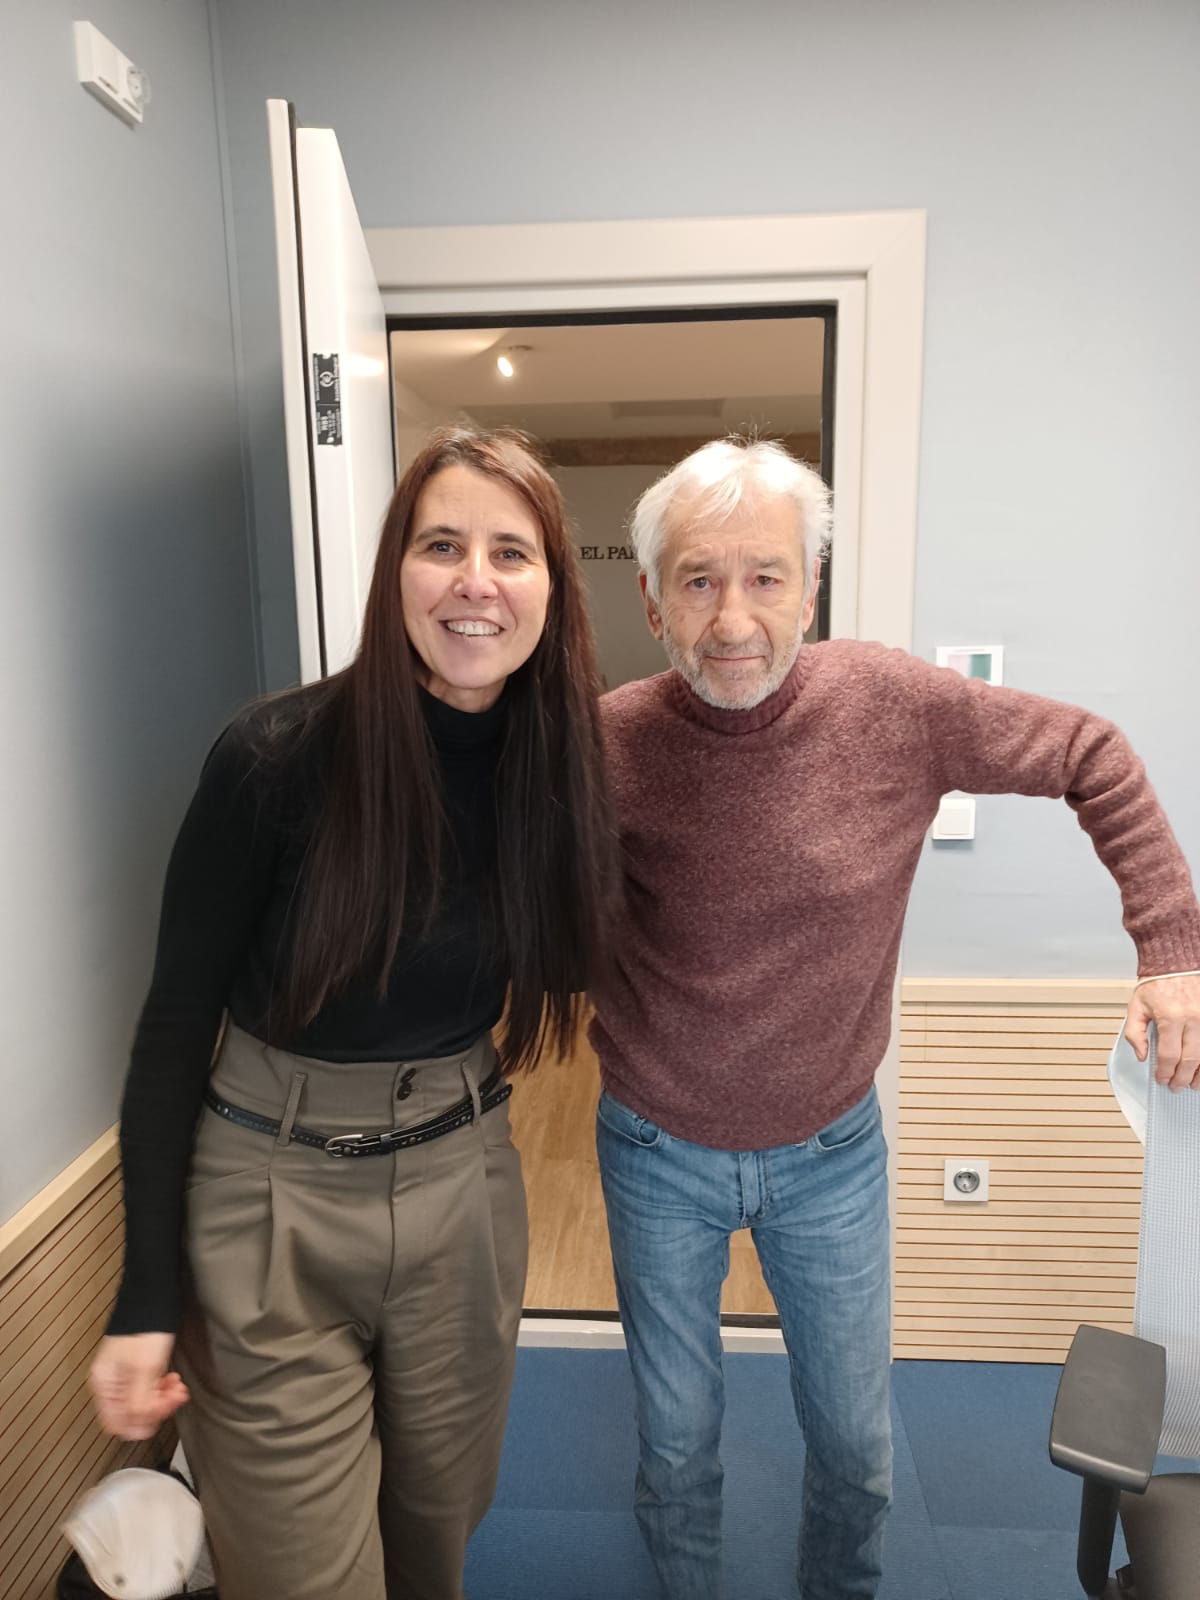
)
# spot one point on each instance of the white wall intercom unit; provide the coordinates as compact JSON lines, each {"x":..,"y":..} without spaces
{"x":108,"y":74}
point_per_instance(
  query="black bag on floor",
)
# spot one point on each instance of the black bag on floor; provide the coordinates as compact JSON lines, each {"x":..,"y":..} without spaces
{"x":74,"y":1584}
{"x":116,"y":1527}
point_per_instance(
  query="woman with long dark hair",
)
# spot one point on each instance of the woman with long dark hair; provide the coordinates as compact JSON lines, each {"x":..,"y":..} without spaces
{"x":326,"y":1223}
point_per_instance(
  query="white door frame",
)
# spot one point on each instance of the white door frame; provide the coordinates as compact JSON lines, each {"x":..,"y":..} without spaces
{"x":871,"y":264}
{"x":589,"y":266}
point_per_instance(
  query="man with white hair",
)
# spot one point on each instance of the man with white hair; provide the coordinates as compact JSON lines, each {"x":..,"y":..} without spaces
{"x":773,"y":798}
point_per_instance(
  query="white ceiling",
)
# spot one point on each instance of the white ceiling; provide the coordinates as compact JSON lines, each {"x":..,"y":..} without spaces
{"x":625,"y":380}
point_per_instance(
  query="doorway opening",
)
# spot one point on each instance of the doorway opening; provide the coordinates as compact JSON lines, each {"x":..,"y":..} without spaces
{"x":616,"y":399}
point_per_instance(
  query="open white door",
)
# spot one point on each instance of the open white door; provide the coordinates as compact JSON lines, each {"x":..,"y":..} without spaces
{"x":337,"y":406}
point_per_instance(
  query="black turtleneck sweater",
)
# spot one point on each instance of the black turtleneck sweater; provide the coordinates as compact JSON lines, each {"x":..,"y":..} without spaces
{"x":230,"y":886}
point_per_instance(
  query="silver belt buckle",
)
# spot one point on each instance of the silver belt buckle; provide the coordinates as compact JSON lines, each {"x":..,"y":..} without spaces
{"x":353,"y":1144}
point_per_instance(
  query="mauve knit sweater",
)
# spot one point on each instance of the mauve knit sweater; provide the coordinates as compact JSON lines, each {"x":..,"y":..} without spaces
{"x":769,"y":855}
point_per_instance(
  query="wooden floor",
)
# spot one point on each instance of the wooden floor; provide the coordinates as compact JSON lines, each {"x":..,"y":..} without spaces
{"x":554,"y":1114}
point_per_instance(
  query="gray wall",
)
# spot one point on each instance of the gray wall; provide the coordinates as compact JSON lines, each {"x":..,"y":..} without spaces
{"x":127,"y":619}
{"x":1053,"y":147}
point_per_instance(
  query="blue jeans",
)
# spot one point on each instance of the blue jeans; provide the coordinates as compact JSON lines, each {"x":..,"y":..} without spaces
{"x":818,"y":1215}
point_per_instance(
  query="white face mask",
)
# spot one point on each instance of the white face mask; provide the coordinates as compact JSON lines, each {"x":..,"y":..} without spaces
{"x":1130,"y":1081}
{"x":138,"y":1533}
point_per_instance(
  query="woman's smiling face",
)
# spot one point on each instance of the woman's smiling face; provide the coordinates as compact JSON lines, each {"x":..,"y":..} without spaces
{"x":474,"y":585}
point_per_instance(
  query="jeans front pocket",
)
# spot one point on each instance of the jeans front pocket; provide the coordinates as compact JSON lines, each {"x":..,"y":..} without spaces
{"x":628,"y":1125}
{"x":862,"y":1119}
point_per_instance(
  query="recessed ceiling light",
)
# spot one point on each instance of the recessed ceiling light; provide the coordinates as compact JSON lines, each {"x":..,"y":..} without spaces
{"x":509,"y":360}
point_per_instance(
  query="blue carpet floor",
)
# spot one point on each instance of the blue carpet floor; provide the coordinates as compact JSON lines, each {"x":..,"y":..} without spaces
{"x":980,"y":1514}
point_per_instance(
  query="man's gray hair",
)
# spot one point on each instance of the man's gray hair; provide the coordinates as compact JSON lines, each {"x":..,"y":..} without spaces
{"x":715,"y":478}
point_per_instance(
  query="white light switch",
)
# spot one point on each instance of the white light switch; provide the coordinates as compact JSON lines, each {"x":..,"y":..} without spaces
{"x":955,"y":817}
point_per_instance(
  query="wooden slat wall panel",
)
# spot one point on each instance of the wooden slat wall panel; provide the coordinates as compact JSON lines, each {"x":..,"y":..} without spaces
{"x":1021,"y":1080}
{"x":53,"y":1306}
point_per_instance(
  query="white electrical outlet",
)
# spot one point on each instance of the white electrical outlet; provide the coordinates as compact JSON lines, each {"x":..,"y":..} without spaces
{"x":955,"y":817}
{"x":108,"y":74}
{"x":966,"y":1180}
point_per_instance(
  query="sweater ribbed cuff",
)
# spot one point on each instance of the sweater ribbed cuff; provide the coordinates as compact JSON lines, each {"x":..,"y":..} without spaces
{"x":1175,"y":949}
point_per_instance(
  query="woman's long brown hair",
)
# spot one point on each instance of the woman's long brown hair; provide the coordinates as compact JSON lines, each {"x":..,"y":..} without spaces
{"x":374,"y":864}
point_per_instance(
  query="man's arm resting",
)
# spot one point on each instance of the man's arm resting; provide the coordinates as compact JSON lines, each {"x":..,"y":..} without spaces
{"x":989,"y":740}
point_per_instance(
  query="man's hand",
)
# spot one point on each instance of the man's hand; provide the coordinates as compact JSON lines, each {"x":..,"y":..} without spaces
{"x":1173,"y":1005}
{"x":133,"y":1390}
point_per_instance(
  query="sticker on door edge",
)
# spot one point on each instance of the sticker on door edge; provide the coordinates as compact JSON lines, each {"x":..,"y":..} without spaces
{"x":327,"y":399}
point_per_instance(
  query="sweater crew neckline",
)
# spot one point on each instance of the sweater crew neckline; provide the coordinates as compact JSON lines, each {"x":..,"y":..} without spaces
{"x":755,"y":718}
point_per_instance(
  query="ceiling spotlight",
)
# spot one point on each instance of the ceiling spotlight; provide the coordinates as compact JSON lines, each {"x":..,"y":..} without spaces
{"x":508,"y":360}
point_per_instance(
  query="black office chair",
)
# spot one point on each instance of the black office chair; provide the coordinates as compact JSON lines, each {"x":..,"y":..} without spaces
{"x":1106,"y":1424}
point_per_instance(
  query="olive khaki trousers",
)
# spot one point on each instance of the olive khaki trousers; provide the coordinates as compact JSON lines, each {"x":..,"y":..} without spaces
{"x":351,"y":1327}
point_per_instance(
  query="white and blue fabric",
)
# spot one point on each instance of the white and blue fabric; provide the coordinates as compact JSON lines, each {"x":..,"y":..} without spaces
{"x":1167,"y":1298}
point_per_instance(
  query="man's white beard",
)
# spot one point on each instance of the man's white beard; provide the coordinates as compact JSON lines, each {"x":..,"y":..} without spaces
{"x":737,"y":697}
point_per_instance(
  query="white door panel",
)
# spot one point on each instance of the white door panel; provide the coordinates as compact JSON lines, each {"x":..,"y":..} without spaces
{"x":336,"y":397}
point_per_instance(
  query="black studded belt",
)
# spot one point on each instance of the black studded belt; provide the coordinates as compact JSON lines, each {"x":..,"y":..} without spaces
{"x":494,"y":1091}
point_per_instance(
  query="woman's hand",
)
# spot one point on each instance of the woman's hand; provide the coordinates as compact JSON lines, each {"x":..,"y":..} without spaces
{"x":131,"y":1385}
